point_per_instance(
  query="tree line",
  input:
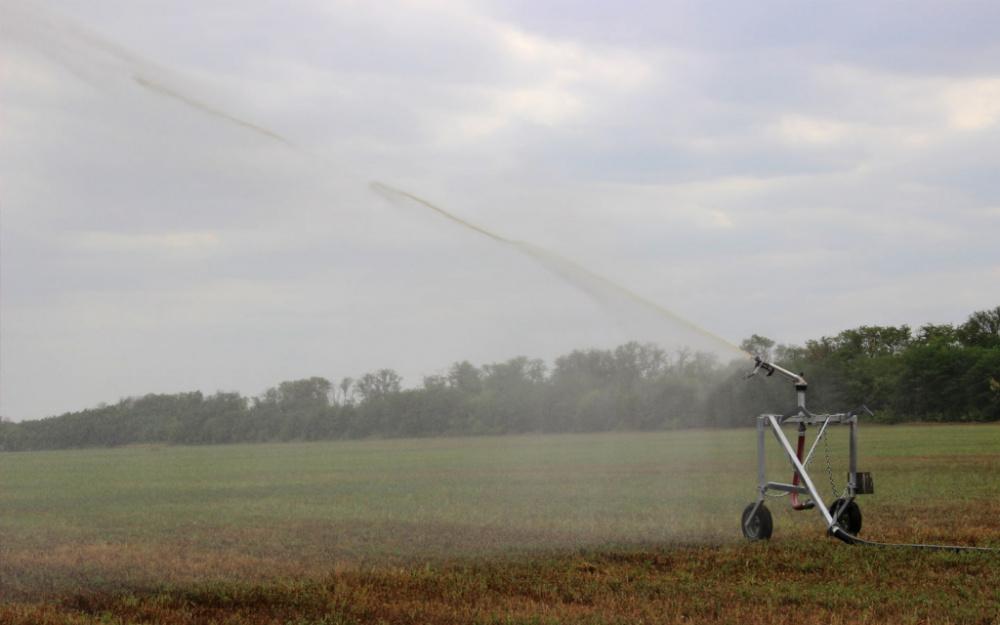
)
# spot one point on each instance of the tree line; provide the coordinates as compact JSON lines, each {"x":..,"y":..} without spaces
{"x":934,"y":373}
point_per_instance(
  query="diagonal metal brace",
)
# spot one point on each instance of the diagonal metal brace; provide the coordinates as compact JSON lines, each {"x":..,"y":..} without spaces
{"x":806,"y":480}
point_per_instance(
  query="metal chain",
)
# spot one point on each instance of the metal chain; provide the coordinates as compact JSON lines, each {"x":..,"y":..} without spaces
{"x":829,"y":469}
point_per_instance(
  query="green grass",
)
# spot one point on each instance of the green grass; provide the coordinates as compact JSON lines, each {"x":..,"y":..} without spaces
{"x":438,"y":519}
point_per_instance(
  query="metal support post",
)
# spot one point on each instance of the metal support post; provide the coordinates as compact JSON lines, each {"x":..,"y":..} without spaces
{"x":761,"y":466}
{"x":852,"y":478}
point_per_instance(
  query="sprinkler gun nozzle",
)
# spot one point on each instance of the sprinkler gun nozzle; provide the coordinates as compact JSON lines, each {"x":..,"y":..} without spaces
{"x":762,"y":365}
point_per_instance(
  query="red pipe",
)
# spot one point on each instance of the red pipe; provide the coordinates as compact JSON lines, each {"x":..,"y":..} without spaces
{"x":795,"y":478}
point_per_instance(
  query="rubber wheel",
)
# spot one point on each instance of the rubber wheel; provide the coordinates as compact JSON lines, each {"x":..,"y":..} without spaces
{"x":760,"y":526}
{"x":850,"y":518}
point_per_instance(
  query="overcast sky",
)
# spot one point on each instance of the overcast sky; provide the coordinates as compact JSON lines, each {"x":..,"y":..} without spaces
{"x":784,"y":168}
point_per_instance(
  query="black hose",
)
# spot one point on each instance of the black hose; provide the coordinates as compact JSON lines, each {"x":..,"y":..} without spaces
{"x":850,"y":539}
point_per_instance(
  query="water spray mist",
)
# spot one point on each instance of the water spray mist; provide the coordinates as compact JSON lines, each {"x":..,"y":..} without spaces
{"x":150,"y":77}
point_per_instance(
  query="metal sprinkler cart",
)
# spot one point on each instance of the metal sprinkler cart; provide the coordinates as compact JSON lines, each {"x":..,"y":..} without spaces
{"x":842,"y":516}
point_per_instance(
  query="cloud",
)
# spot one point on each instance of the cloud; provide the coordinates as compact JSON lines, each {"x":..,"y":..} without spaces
{"x":171,"y":243}
{"x":973,"y":104}
{"x":804,"y":129}
{"x":766,"y":168}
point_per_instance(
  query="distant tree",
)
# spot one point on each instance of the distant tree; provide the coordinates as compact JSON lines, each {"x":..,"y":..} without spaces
{"x":511,"y":395}
{"x":345,"y":390}
{"x":224,"y":416}
{"x":11,"y":435}
{"x":306,"y":394}
{"x":981,"y":330}
{"x":465,"y":377}
{"x":377,"y":384}
{"x":981,"y":382}
{"x":758,"y":345}
{"x":513,"y":375}
{"x":817,"y":350}
{"x":873,"y":341}
{"x":435,"y":382}
{"x":584,"y":367}
{"x":635,"y":362}
{"x":933,"y":333}
{"x":792,"y":355}
{"x":702,"y":366}
{"x":939,"y":372}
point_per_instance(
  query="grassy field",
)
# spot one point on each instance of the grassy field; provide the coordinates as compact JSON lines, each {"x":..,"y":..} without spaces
{"x":566,"y":528}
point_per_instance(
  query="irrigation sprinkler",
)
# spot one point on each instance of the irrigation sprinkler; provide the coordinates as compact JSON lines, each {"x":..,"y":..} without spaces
{"x":842,"y":516}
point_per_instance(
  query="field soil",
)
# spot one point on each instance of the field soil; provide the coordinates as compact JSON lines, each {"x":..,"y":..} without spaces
{"x":603,"y":528}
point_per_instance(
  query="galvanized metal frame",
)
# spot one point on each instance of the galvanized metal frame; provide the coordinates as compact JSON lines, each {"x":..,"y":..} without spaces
{"x":808,"y":487}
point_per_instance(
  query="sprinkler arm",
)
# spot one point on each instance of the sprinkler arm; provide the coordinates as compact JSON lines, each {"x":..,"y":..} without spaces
{"x":771,"y":369}
{"x":800,"y":382}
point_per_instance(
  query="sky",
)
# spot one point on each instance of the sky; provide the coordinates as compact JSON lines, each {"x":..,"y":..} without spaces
{"x":781,"y":168}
